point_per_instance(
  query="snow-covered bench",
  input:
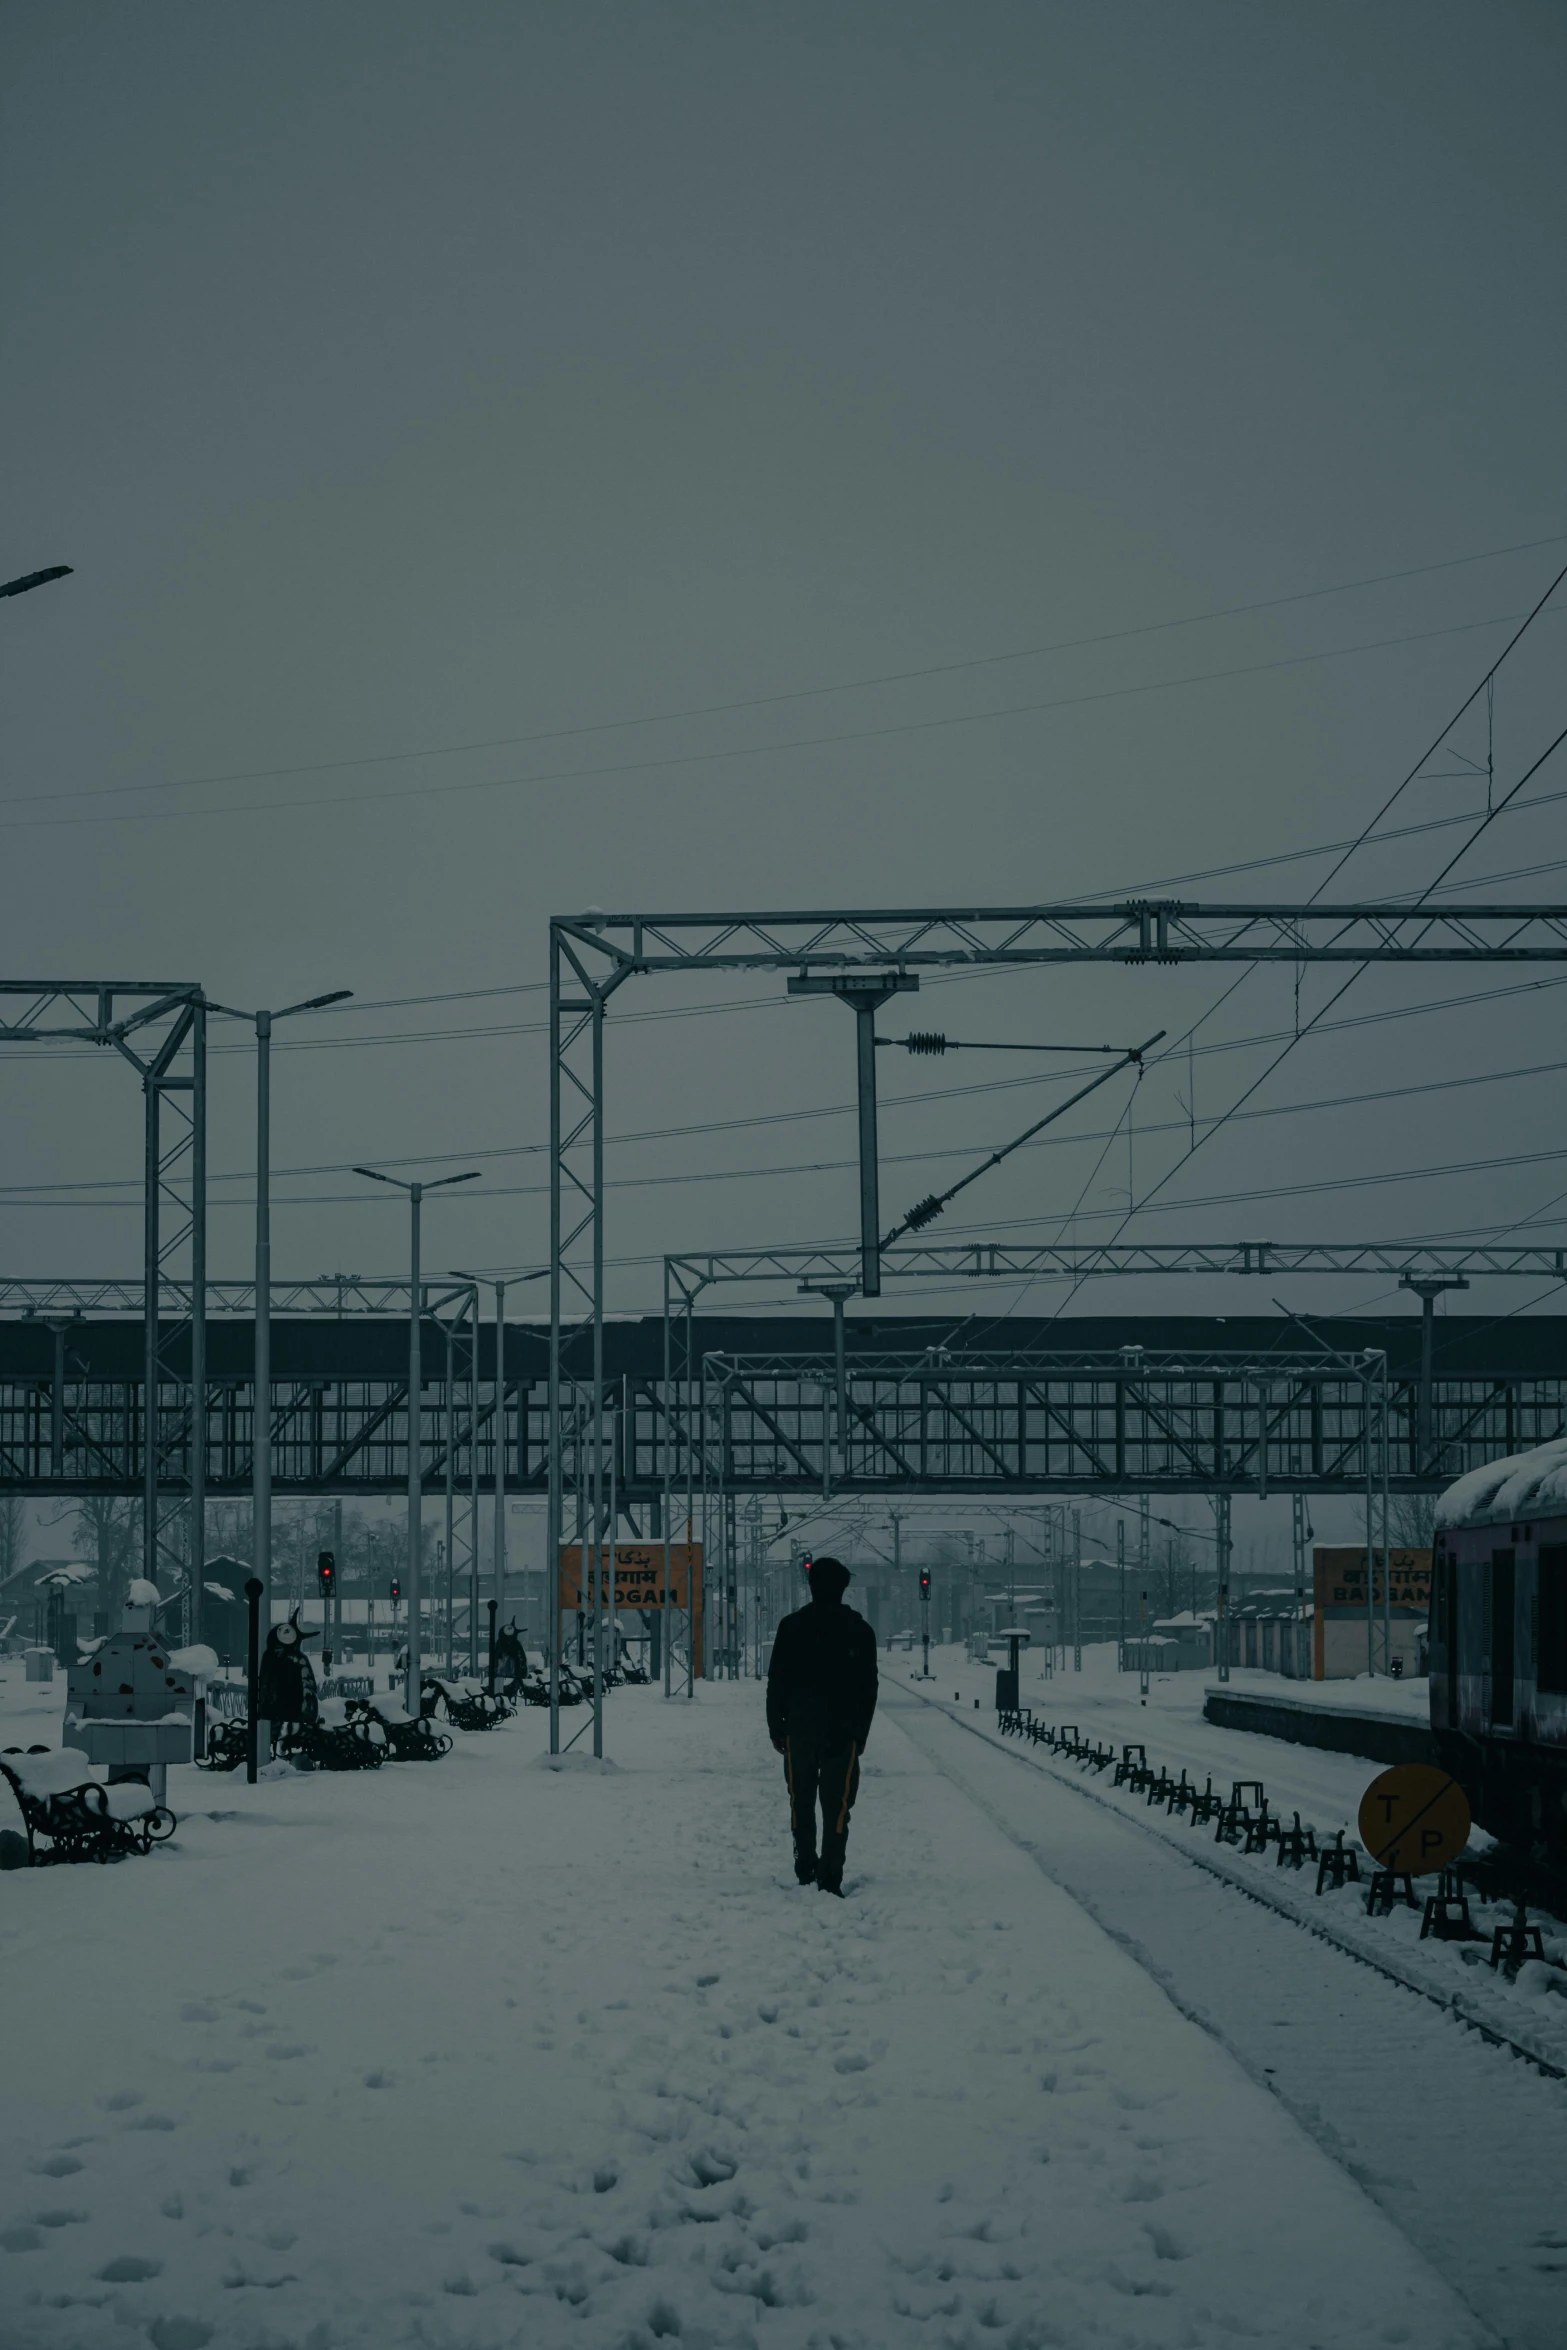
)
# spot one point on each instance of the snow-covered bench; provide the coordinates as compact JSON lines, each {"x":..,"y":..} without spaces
{"x":411,"y":1737}
{"x":469,"y":1705}
{"x":77,"y":1816}
{"x":334,"y":1741}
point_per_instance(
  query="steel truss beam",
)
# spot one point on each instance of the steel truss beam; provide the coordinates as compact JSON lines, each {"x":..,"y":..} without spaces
{"x":1133,"y":930}
{"x":1032,"y":1421}
{"x":1028,"y":1413}
{"x":160,"y":1028}
{"x":687,"y":1275}
{"x":337,"y":1294}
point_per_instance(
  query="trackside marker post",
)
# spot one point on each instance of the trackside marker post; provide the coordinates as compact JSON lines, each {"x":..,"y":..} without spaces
{"x":1414,"y":1819}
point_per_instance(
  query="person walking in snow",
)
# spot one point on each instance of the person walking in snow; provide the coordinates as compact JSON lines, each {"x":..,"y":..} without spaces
{"x":821,"y":1694}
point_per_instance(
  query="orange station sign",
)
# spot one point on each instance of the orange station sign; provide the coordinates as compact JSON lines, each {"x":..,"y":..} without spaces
{"x":640,"y":1576}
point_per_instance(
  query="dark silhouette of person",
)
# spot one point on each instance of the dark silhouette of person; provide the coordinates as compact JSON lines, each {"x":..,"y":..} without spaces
{"x":821,"y":1695}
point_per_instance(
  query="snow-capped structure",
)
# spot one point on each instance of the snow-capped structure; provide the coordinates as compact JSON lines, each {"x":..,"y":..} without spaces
{"x":129,"y":1704}
{"x":1525,"y":1485}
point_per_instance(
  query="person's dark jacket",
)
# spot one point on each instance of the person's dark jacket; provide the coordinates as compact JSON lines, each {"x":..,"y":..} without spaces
{"x":821,"y":1684}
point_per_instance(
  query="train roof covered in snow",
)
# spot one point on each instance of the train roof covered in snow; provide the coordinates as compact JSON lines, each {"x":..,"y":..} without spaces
{"x":1524,"y":1485}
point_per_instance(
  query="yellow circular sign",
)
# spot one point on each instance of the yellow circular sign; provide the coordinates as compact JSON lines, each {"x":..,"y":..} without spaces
{"x":1414,"y":1817}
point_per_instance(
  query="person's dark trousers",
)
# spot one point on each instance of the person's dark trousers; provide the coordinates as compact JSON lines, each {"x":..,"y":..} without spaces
{"x":831,"y":1778}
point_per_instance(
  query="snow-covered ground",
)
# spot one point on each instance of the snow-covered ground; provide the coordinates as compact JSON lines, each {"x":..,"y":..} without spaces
{"x":485,"y":2053}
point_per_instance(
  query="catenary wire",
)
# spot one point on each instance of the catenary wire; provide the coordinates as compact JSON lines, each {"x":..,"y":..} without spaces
{"x":33,"y":1195}
{"x":803,"y":693}
{"x":647,"y":766}
{"x":1199,"y":1142}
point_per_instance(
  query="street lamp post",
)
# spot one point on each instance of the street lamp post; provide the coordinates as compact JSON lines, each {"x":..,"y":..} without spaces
{"x":35,"y":579}
{"x":416,"y":1192}
{"x":261,"y":1377}
{"x":500,"y":1473}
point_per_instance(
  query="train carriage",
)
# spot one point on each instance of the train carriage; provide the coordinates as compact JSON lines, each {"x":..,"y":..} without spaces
{"x":1499,"y":1645}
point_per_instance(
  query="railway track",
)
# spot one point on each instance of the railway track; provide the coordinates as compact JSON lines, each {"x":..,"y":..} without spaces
{"x":1286,"y":1901}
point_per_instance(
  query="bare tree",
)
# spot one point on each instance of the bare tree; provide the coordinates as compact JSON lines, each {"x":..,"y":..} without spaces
{"x":1411,"y":1520}
{"x":109,"y":1531}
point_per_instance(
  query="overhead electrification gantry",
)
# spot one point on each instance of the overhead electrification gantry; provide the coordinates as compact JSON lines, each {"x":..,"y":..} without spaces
{"x":158,"y":1027}
{"x":861,"y":953}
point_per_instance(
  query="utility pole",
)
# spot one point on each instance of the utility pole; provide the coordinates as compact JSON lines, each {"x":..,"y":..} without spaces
{"x":414,"y":1689}
{"x":1221,"y":1512}
{"x":416,"y":1191}
{"x":864,"y":996}
{"x":1428,"y":1287}
{"x":896,"y":1517}
{"x":551,"y":1572}
{"x":261,"y":1371}
{"x":1077,"y":1591}
{"x":261,"y":1374}
{"x":1120,"y":1574}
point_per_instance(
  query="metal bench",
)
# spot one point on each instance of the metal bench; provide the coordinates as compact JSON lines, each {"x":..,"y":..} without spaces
{"x":333,"y":1742}
{"x":69,"y":1815}
{"x":409,"y":1737}
{"x":226,"y":1743}
{"x":468,"y":1705}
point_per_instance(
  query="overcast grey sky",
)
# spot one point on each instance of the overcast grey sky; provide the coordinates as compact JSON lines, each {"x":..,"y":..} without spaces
{"x":400,"y":378}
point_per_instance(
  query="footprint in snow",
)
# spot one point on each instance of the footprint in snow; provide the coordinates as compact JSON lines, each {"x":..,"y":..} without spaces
{"x":709,"y":2168}
{"x":179,"y":2333}
{"x":129,"y":2268}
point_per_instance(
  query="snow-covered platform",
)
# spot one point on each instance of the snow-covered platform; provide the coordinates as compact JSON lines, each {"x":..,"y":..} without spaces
{"x":482,"y":2054}
{"x":1325,"y":1784}
{"x":1381,"y":1720}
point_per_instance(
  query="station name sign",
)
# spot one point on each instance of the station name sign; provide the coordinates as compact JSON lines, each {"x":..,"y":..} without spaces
{"x":640,"y":1574}
{"x":1340,"y":1580}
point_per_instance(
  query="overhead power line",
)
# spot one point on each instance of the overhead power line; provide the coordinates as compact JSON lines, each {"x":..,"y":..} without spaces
{"x":670,"y":761}
{"x":42,"y":1195}
{"x":804,"y":693}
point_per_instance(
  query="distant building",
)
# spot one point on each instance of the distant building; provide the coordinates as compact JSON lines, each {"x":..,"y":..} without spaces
{"x":1270,"y":1632}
